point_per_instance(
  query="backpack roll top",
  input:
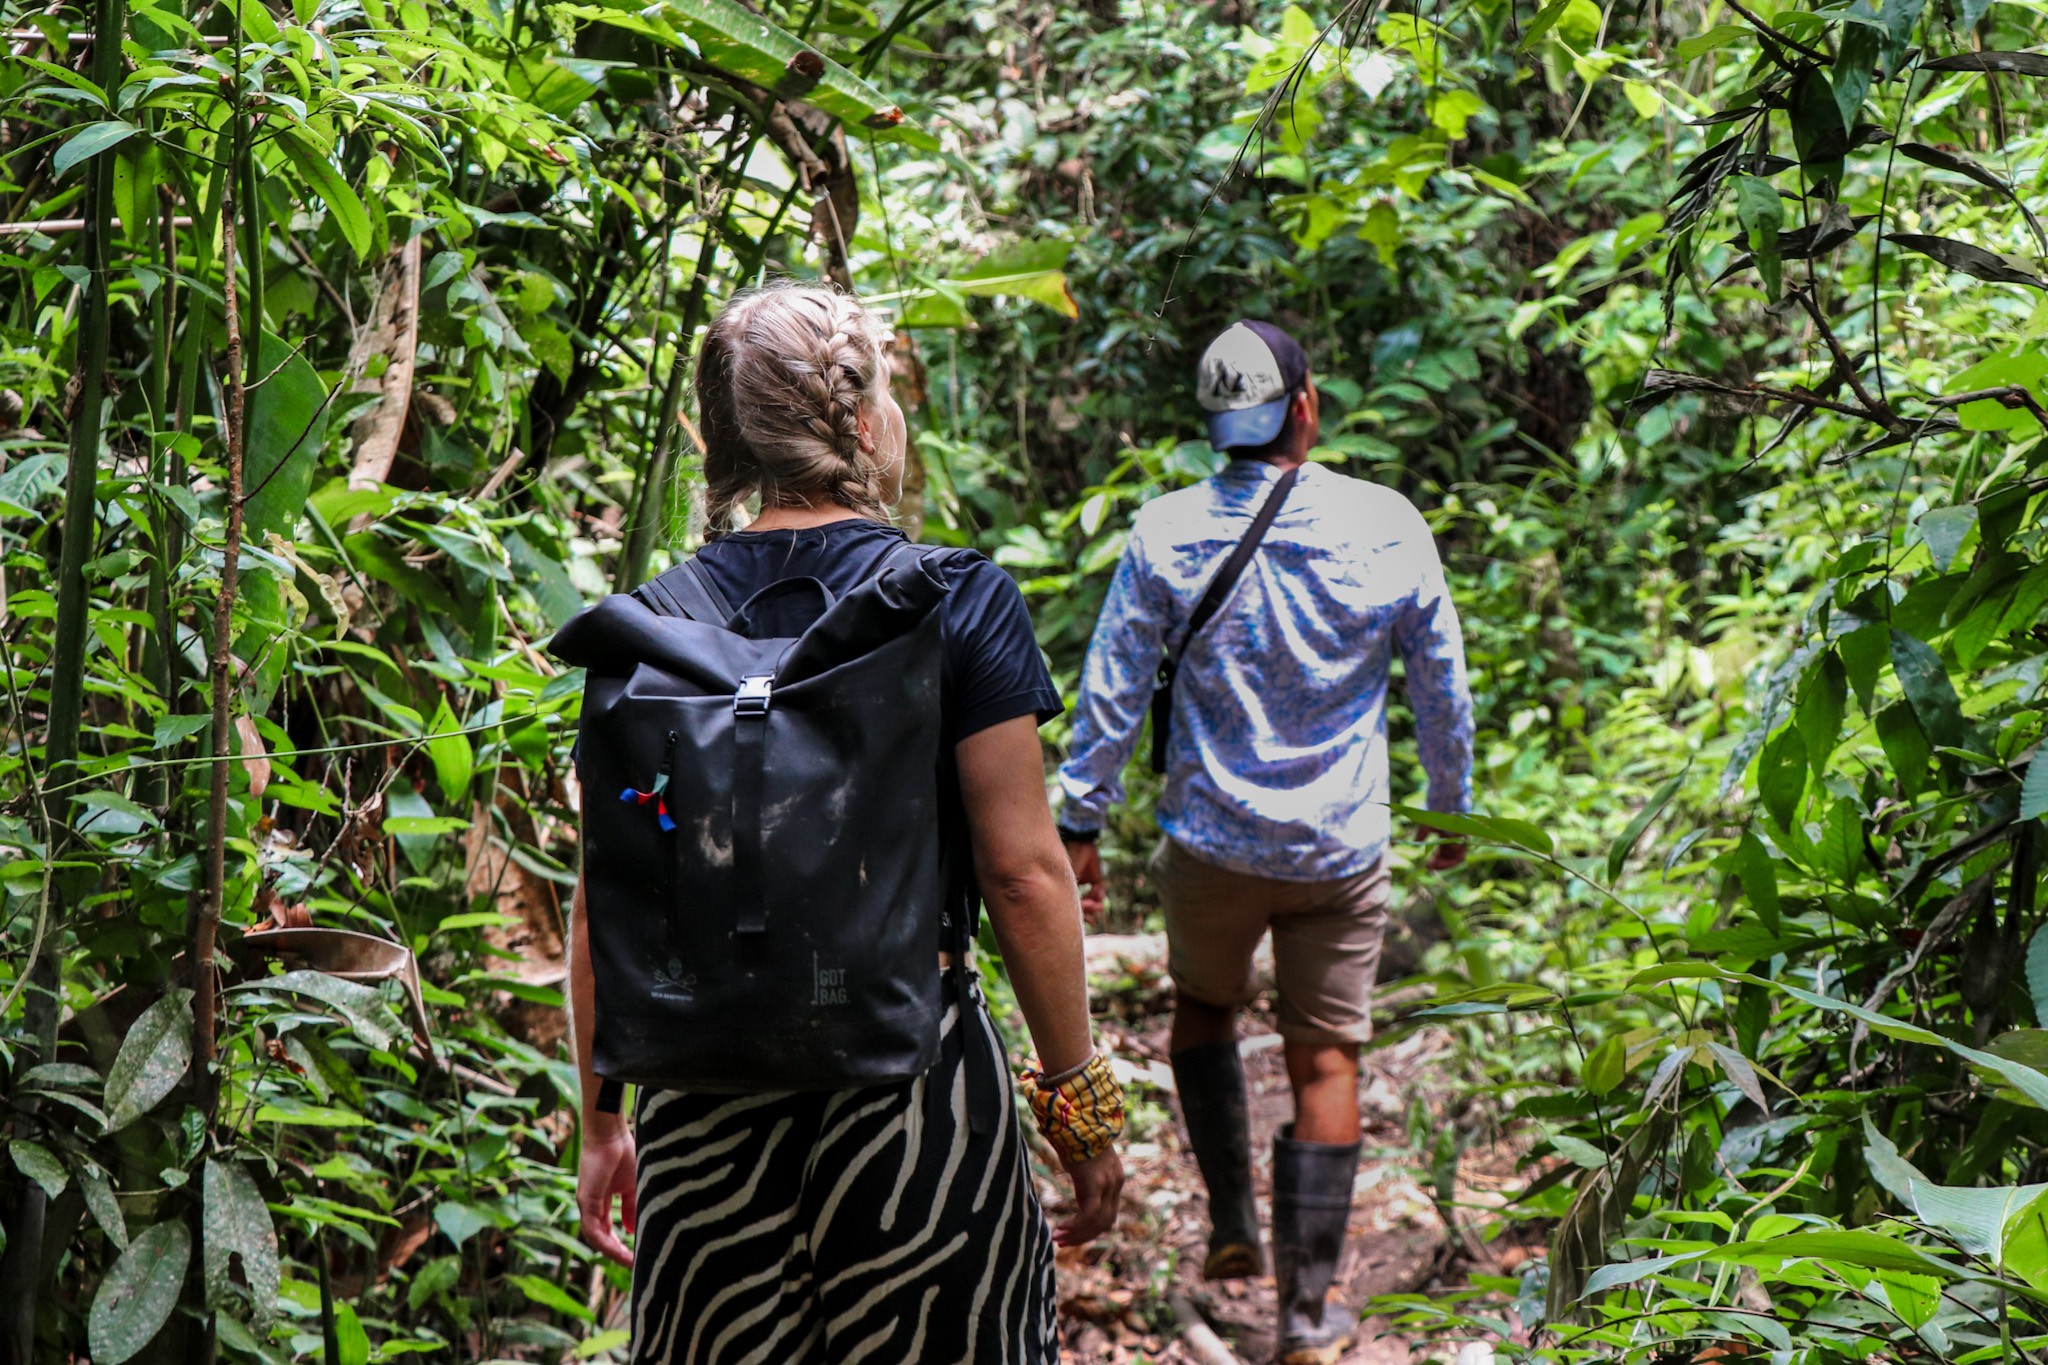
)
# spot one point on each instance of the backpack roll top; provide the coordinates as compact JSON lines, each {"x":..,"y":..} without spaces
{"x":762,"y":855}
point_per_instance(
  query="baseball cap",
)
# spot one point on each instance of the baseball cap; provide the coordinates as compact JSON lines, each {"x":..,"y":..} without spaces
{"x":1245,"y":380}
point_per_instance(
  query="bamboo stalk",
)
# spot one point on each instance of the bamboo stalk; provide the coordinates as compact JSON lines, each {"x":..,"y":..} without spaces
{"x":21,"y":1274}
{"x":49,"y":225}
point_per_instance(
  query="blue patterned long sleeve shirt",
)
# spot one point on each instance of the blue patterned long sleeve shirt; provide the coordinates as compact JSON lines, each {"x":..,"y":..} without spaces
{"x":1277,"y":763}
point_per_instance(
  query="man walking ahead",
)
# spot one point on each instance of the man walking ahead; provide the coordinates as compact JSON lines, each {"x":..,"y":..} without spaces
{"x":1276,"y":802}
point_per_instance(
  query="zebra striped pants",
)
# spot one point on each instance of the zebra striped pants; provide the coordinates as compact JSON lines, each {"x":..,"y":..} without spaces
{"x":841,"y":1227}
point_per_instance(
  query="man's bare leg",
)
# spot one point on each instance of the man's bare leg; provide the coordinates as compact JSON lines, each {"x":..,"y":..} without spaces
{"x":1325,"y":1081}
{"x":1196,"y":1024}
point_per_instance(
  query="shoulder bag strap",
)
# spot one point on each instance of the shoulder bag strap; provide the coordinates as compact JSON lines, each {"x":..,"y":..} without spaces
{"x":687,"y":591}
{"x":1213,"y":598}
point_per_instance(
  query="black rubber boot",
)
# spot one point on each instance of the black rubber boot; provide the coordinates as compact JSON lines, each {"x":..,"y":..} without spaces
{"x":1311,"y":1210}
{"x":1210,"y":1082}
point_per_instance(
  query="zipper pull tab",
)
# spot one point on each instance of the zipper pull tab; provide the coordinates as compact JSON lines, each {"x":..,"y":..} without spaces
{"x":668,"y":765}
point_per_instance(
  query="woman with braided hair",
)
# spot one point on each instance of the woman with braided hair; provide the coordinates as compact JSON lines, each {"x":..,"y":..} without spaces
{"x":893,"y":1223}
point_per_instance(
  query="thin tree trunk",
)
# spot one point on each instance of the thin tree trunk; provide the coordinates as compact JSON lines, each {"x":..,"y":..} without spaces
{"x":21,"y":1273}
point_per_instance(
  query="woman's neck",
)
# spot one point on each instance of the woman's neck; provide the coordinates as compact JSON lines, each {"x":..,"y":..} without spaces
{"x":800,"y":518}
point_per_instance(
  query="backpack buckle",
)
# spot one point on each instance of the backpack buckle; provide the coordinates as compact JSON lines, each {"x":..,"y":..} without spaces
{"x":753,"y":696}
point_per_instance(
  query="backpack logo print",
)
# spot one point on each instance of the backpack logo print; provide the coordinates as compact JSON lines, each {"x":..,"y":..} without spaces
{"x":671,"y":983}
{"x":828,"y":984}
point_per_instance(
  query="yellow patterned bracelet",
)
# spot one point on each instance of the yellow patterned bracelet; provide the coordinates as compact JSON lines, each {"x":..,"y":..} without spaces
{"x":1080,"y":1113}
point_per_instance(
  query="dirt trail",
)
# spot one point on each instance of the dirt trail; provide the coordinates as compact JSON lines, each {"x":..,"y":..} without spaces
{"x":1116,"y":1296}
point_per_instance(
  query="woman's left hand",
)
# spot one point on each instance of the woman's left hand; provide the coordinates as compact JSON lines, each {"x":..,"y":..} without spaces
{"x":1098,"y":1190}
{"x":606,"y":1171}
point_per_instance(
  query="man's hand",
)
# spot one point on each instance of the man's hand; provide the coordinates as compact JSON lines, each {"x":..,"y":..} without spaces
{"x":1098,"y":1189}
{"x":606,"y":1171}
{"x":1087,"y":861}
{"x":1448,"y":852}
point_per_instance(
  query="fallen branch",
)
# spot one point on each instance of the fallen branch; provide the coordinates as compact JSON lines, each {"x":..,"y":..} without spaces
{"x":1198,"y":1336}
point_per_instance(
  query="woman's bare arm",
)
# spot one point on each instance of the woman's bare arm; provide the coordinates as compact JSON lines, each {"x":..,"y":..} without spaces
{"x":1028,"y":884}
{"x":607,"y":1165}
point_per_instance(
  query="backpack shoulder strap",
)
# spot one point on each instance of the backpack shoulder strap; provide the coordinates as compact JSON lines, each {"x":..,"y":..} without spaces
{"x":939,"y":557}
{"x":687,"y":591}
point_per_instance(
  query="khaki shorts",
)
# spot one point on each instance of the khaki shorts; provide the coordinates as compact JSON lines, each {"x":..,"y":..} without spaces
{"x":1326,"y":941}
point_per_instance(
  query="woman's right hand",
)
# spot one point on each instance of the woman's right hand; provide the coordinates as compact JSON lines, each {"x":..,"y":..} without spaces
{"x":606,"y":1170}
{"x":1098,"y":1190}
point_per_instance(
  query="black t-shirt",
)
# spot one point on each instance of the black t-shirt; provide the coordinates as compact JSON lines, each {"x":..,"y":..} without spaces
{"x":993,"y":670}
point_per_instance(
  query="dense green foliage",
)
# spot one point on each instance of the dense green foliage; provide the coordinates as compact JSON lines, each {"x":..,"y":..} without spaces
{"x":1666,"y":318}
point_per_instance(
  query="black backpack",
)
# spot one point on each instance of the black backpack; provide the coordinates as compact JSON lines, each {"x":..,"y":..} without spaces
{"x":765,"y":877}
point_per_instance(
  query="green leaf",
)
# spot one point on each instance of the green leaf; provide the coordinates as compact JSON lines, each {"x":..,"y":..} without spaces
{"x":450,"y":753}
{"x":1605,"y":1066}
{"x":139,"y":1294}
{"x":1855,"y":65}
{"x":1028,"y":270}
{"x":90,"y":141}
{"x":1617,"y":855}
{"x":460,"y":1221}
{"x":1852,"y":1246}
{"x":39,"y":1164}
{"x":105,"y":1209}
{"x":343,"y":204}
{"x":433,"y":1278}
{"x":238,"y":1226}
{"x":1737,"y":1068}
{"x":1491,"y":829}
{"x":153,"y":1059}
{"x":548,"y":1295}
{"x":368,"y":1017}
{"x":1751,"y":863}
{"x":741,"y":43}
{"x":2037,"y":965}
{"x":1579,"y":1152}
{"x":351,"y":1341}
{"x":1719,"y":36}
{"x":1781,"y":775}
{"x":287,"y":426}
{"x":1818,"y":130}
{"x":1932,"y":696}
{"x":1762,"y":215}
{"x":1944,"y":528}
{"x":299,"y":1114}
{"x":1823,"y":698}
{"x":1905,"y":746}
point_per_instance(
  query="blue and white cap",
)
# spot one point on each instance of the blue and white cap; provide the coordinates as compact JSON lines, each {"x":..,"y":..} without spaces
{"x":1246,"y":380}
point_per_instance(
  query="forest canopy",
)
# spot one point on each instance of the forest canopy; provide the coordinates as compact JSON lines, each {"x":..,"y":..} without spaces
{"x":344,"y":351}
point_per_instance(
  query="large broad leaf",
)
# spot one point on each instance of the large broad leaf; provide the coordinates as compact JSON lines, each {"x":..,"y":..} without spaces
{"x":1931,"y":694}
{"x":39,"y":1164}
{"x":1617,"y":856}
{"x":1970,"y":260}
{"x":139,"y":1293}
{"x":1487,"y":829}
{"x":1027,"y":270}
{"x":1944,"y":160}
{"x":106,"y":1210}
{"x":369,"y":1018}
{"x":288,"y":421}
{"x":1976,"y":1218}
{"x":238,"y":1226}
{"x":90,"y":141}
{"x":343,"y":204}
{"x":2018,"y":63}
{"x":741,"y":43}
{"x":152,"y":1060}
{"x":2037,"y":951}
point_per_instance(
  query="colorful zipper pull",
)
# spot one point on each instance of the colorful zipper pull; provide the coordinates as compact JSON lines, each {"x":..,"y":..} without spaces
{"x":655,"y":793}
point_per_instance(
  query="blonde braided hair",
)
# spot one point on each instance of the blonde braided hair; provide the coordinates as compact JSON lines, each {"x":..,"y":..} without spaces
{"x":782,"y":380}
